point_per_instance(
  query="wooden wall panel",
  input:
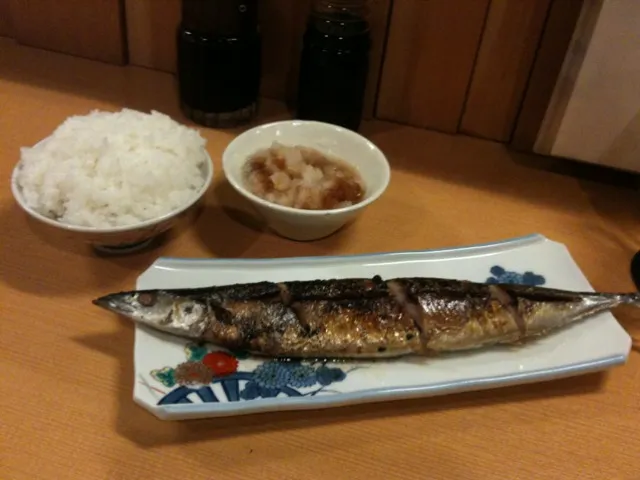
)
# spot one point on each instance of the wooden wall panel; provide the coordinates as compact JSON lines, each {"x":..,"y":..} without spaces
{"x":430,"y":54}
{"x":92,"y":29}
{"x":556,"y":38}
{"x":507,"y":50}
{"x":282,"y":23}
{"x":5,"y":19}
{"x":379,"y":21}
{"x":151,"y":33}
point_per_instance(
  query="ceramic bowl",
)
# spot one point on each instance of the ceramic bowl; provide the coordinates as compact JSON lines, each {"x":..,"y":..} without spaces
{"x":305,"y":225}
{"x":125,"y":239}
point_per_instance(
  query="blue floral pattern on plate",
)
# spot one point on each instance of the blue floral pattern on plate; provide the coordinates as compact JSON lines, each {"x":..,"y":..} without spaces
{"x":205,"y":367}
{"x":500,"y":275}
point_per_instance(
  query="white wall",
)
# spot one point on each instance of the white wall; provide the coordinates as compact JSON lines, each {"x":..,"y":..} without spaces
{"x":599,"y":120}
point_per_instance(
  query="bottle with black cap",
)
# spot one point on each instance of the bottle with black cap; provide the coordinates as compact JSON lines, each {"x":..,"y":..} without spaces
{"x":219,"y":61}
{"x":335,"y":63}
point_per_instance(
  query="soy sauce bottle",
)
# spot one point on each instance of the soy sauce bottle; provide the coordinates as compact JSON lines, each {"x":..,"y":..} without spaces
{"x":335,"y":63}
{"x":219,"y":61}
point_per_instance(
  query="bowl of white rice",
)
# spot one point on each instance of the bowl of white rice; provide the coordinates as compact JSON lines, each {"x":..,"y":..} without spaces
{"x":118,"y":179}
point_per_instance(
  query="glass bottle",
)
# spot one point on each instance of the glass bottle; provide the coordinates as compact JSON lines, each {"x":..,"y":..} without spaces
{"x":335,"y":63}
{"x":219,"y":61}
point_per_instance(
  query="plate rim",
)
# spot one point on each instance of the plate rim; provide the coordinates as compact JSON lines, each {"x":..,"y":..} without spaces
{"x":513,"y":242}
{"x":379,"y":394}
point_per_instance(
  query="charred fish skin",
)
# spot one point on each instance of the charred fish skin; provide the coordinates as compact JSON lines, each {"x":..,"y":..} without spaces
{"x":361,"y":317}
{"x":368,"y":327}
{"x":336,"y":289}
{"x":465,"y":315}
{"x":337,"y":318}
{"x":454,"y":315}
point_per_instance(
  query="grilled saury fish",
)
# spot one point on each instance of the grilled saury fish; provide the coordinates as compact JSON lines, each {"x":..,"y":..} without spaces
{"x":361,"y":317}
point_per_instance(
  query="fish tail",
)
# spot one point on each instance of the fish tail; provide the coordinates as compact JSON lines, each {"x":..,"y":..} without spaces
{"x":632,"y":299}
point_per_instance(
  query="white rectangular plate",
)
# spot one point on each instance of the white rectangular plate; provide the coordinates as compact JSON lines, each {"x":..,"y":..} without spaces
{"x":178,"y":380}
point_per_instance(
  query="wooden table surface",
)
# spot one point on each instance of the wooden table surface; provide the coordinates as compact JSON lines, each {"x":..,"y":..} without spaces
{"x":66,"y":367}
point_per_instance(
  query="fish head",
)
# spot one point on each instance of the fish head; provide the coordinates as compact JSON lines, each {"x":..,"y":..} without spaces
{"x":161,"y":310}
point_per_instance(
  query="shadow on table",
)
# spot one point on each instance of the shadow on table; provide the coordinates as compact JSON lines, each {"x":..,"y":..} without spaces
{"x":492,"y":166}
{"x":613,"y":195}
{"x":129,"y":86}
{"x":56,"y":263}
{"x":619,"y":209}
{"x":228,"y":227}
{"x":225,"y":226}
{"x":141,"y":427}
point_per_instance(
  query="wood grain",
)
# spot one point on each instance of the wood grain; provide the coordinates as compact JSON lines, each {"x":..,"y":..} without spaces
{"x":92,"y":29}
{"x":379,"y":19}
{"x":429,"y":59}
{"x":556,"y":38}
{"x":282,"y":23}
{"x":500,"y":75}
{"x":66,"y":382}
{"x":151,"y":33}
{"x":6,"y":29}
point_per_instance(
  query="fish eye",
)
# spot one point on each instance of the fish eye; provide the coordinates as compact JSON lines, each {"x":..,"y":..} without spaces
{"x":147,"y":299}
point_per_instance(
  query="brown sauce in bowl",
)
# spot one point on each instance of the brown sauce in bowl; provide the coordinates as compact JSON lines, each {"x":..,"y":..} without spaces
{"x":302,"y":177}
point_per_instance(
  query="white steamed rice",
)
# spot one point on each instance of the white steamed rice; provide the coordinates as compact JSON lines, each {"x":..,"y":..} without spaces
{"x":113,"y":169}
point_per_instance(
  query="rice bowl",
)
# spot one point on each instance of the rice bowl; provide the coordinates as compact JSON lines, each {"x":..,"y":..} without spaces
{"x":122,"y":175}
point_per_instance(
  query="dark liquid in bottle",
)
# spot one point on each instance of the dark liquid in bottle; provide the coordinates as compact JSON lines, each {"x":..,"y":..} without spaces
{"x":333,"y":69}
{"x":219,"y":61}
